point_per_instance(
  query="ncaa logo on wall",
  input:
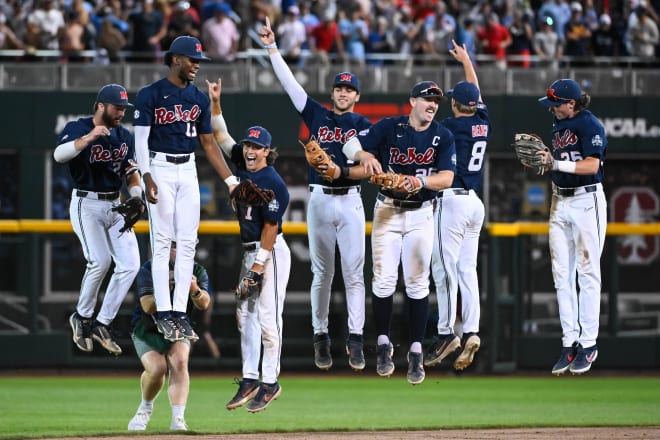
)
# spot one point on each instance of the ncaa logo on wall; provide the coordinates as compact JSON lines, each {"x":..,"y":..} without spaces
{"x":636,"y":204}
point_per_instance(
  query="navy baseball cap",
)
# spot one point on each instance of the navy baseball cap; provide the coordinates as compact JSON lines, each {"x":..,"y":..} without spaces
{"x":258,"y":136}
{"x":113,"y":94}
{"x":560,"y":92}
{"x":465,"y":93}
{"x":189,"y":47}
{"x":347,"y":79}
{"x":426,"y":89}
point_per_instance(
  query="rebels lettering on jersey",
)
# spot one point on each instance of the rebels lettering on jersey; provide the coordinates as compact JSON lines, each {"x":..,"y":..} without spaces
{"x":327,"y":134}
{"x":97,"y":153}
{"x":164,"y":116}
{"x":411,"y":156}
{"x":574,"y":139}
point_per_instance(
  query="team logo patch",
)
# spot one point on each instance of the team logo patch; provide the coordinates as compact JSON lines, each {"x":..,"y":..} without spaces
{"x":597,"y":141}
{"x":636,"y":204}
{"x":273,"y":206}
{"x":136,"y":114}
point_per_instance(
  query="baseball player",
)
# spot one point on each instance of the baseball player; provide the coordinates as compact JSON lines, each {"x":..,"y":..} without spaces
{"x":414,"y":145}
{"x":335,"y":213}
{"x":458,"y":220}
{"x":266,"y":261}
{"x":158,"y":355}
{"x":577,"y":220}
{"x":101,"y":154}
{"x":172,"y":117}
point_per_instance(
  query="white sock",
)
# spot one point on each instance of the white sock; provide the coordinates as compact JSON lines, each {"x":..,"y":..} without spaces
{"x":416,"y":347}
{"x":383,"y":339}
{"x":178,"y":411}
{"x":147,"y":405}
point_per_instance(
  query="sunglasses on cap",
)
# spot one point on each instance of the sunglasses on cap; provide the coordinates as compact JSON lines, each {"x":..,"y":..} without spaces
{"x":550,"y":94}
{"x":433,"y":90}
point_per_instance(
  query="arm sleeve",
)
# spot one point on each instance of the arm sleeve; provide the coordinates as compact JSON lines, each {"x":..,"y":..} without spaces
{"x":142,"y":147}
{"x":65,"y":152}
{"x":295,"y":91}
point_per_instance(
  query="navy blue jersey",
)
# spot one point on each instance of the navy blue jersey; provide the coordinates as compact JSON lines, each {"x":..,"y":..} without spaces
{"x":144,"y":286}
{"x":176,"y":116}
{"x":332,"y":131}
{"x":471,"y":135}
{"x":575,"y":139}
{"x":101,"y":166}
{"x":251,"y":218}
{"x":400,"y":147}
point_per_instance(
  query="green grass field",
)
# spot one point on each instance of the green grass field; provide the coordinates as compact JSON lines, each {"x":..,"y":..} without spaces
{"x":33,"y":407}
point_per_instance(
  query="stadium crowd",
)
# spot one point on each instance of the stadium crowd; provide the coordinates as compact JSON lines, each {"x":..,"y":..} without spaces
{"x":512,"y":32}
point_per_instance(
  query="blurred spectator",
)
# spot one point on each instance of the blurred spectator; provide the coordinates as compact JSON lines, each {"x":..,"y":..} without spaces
{"x":291,"y":35}
{"x":466,"y":35}
{"x":111,"y":39}
{"x":325,"y":40}
{"x":181,"y":22}
{"x":439,"y":29}
{"x":17,"y":20}
{"x":220,"y":35}
{"x":551,"y":9}
{"x":604,"y":40}
{"x":408,"y":34}
{"x":147,"y":28}
{"x":8,"y":39}
{"x":380,"y":40}
{"x":72,"y":38}
{"x":578,"y":35}
{"x":309,"y":20}
{"x":591,"y":15}
{"x":643,"y":34}
{"x":546,"y":44}
{"x":522,"y":35}
{"x":48,"y":20}
{"x":355,"y":36}
{"x":494,"y":40}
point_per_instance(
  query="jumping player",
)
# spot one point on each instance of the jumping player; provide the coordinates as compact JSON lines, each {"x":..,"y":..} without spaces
{"x":259,"y":317}
{"x":577,"y":220}
{"x":335,"y":213}
{"x":101,"y":154}
{"x":419,"y":146}
{"x":459,"y":217}
{"x":172,"y":117}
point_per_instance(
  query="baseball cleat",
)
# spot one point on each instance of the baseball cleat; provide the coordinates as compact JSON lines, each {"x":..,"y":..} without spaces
{"x":169,"y":329}
{"x":139,"y":421}
{"x":384,"y":363}
{"x":565,"y":360}
{"x":102,"y":335}
{"x":322,"y":355}
{"x":441,"y":347}
{"x":354,"y":350}
{"x":266,"y":394}
{"x":416,"y":372}
{"x":178,"y":424}
{"x":82,"y":332}
{"x":584,"y":357}
{"x":470,"y":347}
{"x":247,"y":389}
{"x":185,"y":329}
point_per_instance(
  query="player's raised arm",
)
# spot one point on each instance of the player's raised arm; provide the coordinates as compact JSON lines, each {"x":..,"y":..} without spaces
{"x":461,"y":55}
{"x":295,"y":91}
{"x":220,"y":130}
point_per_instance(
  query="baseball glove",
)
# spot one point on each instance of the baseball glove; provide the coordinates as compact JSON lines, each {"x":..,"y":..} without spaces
{"x":526,"y":147}
{"x":247,"y":192}
{"x":319,"y":159}
{"x":131,"y":210}
{"x":397,"y":182}
{"x":250,"y":285}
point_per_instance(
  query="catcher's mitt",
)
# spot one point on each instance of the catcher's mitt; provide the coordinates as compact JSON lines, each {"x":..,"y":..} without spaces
{"x":526,"y":147}
{"x":131,"y":210}
{"x":249,"y":285}
{"x":397,"y":182}
{"x":247,"y":192}
{"x":319,"y":159}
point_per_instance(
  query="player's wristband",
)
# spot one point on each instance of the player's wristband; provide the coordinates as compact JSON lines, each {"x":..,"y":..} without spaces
{"x":423,"y":180}
{"x":565,"y":166}
{"x":231,"y":180}
{"x":271,"y":46}
{"x":345,"y":171}
{"x":262,"y":256}
{"x":135,"y":191}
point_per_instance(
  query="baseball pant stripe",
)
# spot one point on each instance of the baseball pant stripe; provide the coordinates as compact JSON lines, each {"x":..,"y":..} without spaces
{"x":442,"y":294}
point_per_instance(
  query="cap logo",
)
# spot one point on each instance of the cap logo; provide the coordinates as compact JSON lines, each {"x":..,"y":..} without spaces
{"x":123,"y":94}
{"x":346,"y":77}
{"x":198,"y":47}
{"x":254,"y":134}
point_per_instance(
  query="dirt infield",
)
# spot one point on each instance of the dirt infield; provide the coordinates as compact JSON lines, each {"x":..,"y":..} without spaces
{"x":627,"y":433}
